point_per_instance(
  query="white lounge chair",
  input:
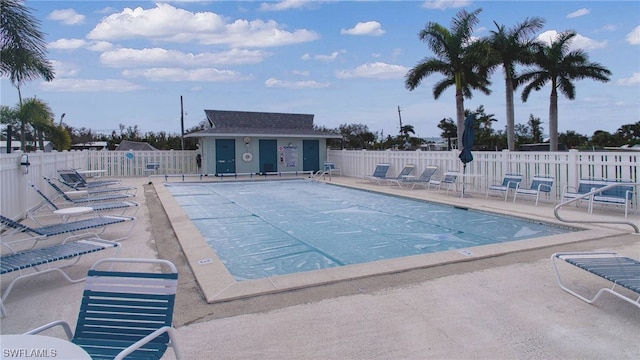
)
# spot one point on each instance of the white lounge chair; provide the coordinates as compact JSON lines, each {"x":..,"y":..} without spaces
{"x":43,"y":260}
{"x":422,"y":180}
{"x":74,"y":179}
{"x":331,"y":169}
{"x":448,"y":180}
{"x":406,"y":171}
{"x":21,"y":233}
{"x":509,"y":183}
{"x":379,"y":173}
{"x":84,"y":196}
{"x":622,"y":272}
{"x":117,"y":206}
{"x":539,"y":184}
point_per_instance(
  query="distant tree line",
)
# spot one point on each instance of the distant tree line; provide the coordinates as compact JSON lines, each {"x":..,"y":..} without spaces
{"x":358,"y":136}
{"x":161,"y":140}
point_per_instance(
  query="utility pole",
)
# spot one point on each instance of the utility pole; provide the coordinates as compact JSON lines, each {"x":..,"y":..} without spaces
{"x":181,"y":124}
{"x":400,"y":118}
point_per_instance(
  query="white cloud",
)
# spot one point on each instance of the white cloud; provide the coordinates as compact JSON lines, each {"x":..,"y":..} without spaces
{"x":100,"y":46}
{"x":73,"y":44}
{"x":177,"y":74}
{"x":66,"y":16}
{"x":633,"y":37}
{"x":634,"y":80}
{"x":607,"y":28}
{"x":376,"y":70}
{"x":63,"y":69}
{"x":372,"y":28}
{"x":578,"y":41}
{"x":331,"y":57}
{"x":67,"y":44}
{"x":306,"y":84}
{"x":90,"y":85}
{"x":157,"y":56}
{"x":285,"y":5}
{"x":167,"y":23}
{"x":300,"y":72}
{"x":445,"y":4}
{"x":334,"y":55}
{"x":578,"y":13}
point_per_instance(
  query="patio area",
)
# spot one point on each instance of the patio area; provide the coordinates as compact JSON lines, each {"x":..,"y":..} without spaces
{"x":501,"y":307}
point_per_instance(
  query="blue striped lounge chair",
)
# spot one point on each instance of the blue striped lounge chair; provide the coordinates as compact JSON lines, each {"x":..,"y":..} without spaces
{"x":406,"y":171}
{"x":20,"y":233}
{"x":509,"y":183}
{"x":74,"y":179}
{"x":125,"y":314}
{"x":623,"y":272}
{"x":448,"y":180}
{"x":422,"y":180}
{"x":121,"y":206}
{"x":330,"y":168}
{"x":380,"y":172}
{"x":620,"y":194}
{"x":539,"y":184}
{"x":86,"y":197}
{"x":99,"y":189}
{"x":55,"y":258}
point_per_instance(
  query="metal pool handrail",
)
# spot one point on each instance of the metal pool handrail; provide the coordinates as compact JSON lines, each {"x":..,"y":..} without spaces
{"x":589,"y":194}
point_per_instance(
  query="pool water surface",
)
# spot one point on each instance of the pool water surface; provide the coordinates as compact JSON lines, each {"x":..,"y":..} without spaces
{"x":267,"y":228}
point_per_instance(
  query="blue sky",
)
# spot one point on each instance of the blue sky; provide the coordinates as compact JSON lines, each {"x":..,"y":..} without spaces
{"x":128,"y":62}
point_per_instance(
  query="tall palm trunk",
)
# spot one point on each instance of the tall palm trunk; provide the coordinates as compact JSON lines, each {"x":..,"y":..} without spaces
{"x":511,"y":145}
{"x":553,"y":118}
{"x":459,"y":116}
{"x":459,"y":109}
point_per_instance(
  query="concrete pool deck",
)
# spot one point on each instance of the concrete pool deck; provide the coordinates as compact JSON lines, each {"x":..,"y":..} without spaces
{"x":501,"y":307}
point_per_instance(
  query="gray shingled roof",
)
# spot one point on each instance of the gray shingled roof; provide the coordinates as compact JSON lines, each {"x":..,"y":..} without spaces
{"x":251,"y":120}
{"x":246,"y":123}
{"x":127,"y":145}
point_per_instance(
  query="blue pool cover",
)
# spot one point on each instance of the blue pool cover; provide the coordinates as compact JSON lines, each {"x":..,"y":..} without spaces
{"x":266,"y":228}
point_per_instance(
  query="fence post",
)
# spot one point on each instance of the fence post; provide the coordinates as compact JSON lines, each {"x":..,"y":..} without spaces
{"x":572,"y":168}
{"x":506,"y":164}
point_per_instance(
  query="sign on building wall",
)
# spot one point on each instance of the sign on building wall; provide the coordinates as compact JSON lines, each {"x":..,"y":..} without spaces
{"x":290,"y":156}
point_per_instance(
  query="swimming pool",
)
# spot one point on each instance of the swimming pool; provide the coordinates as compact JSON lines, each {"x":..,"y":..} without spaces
{"x":269,"y":228}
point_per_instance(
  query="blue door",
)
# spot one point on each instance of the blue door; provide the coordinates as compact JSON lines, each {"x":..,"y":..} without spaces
{"x":225,"y":156}
{"x":310,"y":155}
{"x":268,"y":155}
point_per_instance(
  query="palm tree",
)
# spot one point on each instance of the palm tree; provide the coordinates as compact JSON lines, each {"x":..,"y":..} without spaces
{"x":465,"y":63}
{"x":404,"y":137}
{"x":511,"y":47}
{"x":23,"y":50}
{"x":41,"y":118}
{"x":536,"y":128}
{"x":405,"y":130}
{"x":559,"y":66}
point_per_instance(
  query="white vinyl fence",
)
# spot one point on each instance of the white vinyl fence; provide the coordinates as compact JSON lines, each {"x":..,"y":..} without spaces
{"x":16,"y":196}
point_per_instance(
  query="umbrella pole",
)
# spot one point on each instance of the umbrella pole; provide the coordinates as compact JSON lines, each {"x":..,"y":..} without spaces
{"x":464,"y":172}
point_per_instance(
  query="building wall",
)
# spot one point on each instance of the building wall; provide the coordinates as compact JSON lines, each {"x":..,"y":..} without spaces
{"x":286,"y":147}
